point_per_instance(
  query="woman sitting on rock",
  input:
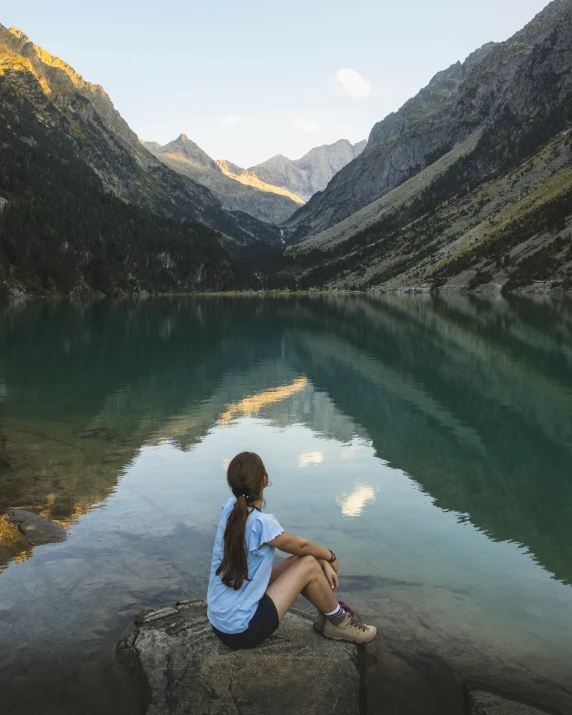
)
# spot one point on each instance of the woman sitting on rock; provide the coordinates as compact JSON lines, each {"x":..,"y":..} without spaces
{"x":248,"y":596}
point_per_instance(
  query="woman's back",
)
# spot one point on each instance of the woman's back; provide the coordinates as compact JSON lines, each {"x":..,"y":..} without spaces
{"x":230,"y":610}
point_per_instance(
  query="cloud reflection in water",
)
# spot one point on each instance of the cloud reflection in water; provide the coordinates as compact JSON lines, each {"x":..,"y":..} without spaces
{"x":307,"y":458}
{"x":353,"y":504}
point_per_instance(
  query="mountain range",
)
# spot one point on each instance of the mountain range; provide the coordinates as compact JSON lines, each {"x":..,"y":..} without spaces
{"x":85,"y":207}
{"x":313,"y":172}
{"x":468,"y":187}
{"x":270,"y":191}
{"x":265,"y":202}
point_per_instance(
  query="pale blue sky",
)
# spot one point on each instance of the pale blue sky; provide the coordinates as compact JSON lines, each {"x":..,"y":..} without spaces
{"x":249,"y":79}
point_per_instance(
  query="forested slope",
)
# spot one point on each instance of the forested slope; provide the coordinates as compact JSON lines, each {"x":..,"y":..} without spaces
{"x":61,"y":232}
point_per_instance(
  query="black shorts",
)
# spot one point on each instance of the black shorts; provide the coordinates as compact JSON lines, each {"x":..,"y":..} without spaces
{"x":262,"y":625}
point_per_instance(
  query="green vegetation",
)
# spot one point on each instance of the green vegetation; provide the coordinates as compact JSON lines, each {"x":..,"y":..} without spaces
{"x":542,"y":265}
{"x":61,"y":231}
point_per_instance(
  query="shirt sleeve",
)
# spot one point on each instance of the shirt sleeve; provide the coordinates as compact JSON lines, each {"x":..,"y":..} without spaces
{"x":264,"y":529}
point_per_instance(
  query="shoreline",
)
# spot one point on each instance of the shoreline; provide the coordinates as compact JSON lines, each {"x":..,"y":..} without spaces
{"x":558,"y":292}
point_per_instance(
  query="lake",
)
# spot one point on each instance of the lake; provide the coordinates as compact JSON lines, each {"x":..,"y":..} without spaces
{"x":427,"y":441}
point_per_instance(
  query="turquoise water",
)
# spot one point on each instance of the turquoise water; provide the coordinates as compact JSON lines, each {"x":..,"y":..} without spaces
{"x":427,"y":441}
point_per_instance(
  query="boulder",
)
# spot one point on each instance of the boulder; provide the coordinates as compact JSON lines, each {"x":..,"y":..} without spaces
{"x":187,"y":670}
{"x":482,"y":702}
{"x":37,"y":529}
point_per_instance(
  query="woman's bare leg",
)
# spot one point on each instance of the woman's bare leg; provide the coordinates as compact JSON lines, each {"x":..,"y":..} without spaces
{"x":281,"y":566}
{"x":302,"y":575}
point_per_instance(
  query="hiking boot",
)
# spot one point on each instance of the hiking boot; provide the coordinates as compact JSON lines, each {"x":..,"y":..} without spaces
{"x":349,"y":627}
{"x":320,"y":621}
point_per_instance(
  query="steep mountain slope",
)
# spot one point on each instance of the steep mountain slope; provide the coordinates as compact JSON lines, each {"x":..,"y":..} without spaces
{"x":247,"y":178}
{"x":305,"y":176}
{"x":103,"y":141}
{"x":262,"y":201}
{"x":455,"y":103}
{"x":61,"y":232}
{"x":489,"y":200}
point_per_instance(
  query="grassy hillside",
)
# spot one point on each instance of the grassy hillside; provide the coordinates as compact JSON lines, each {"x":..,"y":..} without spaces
{"x":456,"y":226}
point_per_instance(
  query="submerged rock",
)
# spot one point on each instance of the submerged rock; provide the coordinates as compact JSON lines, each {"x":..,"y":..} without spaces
{"x":482,"y":702}
{"x":187,"y":670}
{"x":37,"y":529}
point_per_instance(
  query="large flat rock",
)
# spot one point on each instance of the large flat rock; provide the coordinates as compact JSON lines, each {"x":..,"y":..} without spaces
{"x":188,"y":671}
{"x":37,"y":529}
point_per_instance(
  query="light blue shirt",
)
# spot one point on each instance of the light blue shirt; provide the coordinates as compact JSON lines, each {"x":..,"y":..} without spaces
{"x":230,"y":611}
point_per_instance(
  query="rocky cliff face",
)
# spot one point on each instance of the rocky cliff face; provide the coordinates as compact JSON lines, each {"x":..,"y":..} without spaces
{"x":493,"y":82}
{"x":468,"y":186}
{"x":84,"y":115}
{"x":312,"y":172}
{"x":231,"y":187}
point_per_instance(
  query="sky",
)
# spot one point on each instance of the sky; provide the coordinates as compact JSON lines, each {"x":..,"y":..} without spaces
{"x":249,"y":79}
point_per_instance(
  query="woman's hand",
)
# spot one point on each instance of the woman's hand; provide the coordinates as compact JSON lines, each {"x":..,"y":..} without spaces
{"x":331,"y":575}
{"x":335,"y":565}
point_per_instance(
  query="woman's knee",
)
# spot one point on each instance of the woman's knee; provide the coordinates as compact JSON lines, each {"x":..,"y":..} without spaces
{"x":310,"y":564}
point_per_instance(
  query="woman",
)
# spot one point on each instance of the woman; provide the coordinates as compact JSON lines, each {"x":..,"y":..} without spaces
{"x":247,"y":595}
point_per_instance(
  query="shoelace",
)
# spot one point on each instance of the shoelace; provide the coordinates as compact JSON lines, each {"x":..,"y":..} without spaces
{"x":356,"y":621}
{"x":355,"y":618}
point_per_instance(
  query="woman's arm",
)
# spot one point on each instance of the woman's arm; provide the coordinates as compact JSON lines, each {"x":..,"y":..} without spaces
{"x":302,"y":547}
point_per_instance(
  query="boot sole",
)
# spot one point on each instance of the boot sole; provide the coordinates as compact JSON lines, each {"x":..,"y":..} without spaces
{"x":347,"y":640}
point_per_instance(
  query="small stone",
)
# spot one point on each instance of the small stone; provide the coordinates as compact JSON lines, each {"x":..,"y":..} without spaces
{"x":161,"y":613}
{"x":141,"y":615}
{"x":482,"y":702}
{"x":37,"y":529}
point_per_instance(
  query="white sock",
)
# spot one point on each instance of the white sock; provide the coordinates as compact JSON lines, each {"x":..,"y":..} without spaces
{"x":339,"y":611}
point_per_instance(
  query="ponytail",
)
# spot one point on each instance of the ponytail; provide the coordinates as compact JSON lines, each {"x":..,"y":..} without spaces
{"x":246,"y":477}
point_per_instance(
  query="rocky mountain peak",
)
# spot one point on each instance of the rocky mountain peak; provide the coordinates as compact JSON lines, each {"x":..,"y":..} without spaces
{"x":19,"y":34}
{"x":229,"y":168}
{"x":61,"y":81}
{"x":312,"y":172}
{"x":184,"y":149}
{"x":151,"y":146}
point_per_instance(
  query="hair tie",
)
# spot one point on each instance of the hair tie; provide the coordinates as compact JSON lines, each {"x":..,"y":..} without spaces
{"x":240,"y":491}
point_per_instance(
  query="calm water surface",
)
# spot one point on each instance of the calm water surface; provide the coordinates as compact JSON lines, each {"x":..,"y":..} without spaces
{"x":427,"y":441}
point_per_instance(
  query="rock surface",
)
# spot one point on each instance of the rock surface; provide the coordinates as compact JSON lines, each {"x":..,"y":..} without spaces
{"x":521,"y":79}
{"x":187,"y":670}
{"x":467,"y":188}
{"x":312,"y":172}
{"x":262,"y":201}
{"x":37,"y":529}
{"x":482,"y":702}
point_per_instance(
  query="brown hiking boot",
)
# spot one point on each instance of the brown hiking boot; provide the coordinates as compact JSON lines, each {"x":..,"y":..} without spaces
{"x":349,"y":627}
{"x":320,"y":621}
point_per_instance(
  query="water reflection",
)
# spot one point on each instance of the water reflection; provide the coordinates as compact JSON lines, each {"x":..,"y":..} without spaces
{"x":429,"y":439}
{"x":353,"y":504}
{"x":307,"y":458}
{"x":252,"y":404}
{"x":471,"y":398}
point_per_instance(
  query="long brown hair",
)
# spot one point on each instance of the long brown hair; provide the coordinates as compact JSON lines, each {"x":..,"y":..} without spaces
{"x":247,"y":477}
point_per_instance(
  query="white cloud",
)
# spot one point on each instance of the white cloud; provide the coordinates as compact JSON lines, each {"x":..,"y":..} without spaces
{"x":307,"y":125}
{"x":229,"y":121}
{"x":350,"y":81}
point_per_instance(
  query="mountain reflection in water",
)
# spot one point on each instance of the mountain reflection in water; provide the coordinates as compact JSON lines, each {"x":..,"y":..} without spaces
{"x":376,"y":403}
